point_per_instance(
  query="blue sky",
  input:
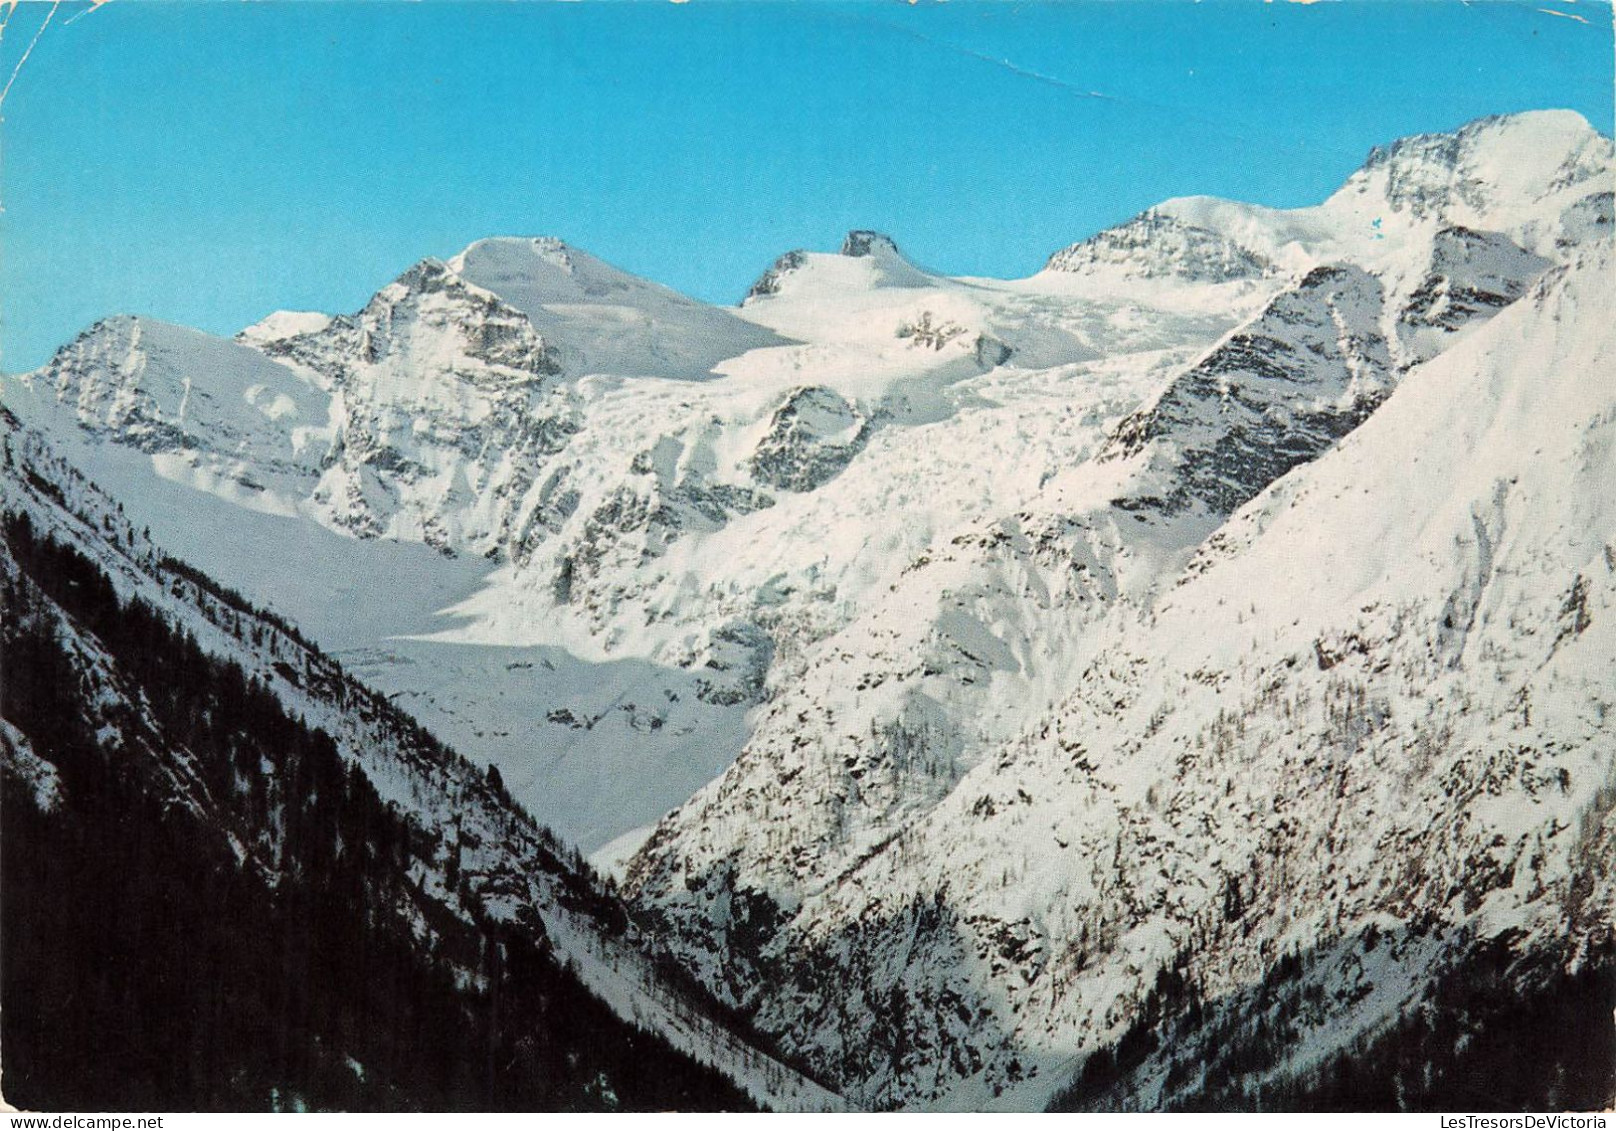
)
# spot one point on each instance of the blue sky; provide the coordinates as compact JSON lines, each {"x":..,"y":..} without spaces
{"x":208,"y":162}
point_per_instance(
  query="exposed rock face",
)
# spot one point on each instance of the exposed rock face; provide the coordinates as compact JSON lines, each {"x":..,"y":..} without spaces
{"x":860,"y":243}
{"x":769,"y":282}
{"x":811,"y":437}
{"x":1433,"y":175}
{"x":437,"y":386}
{"x":1472,"y":276}
{"x":1586,"y":220}
{"x":1274,"y":395}
{"x":429,"y":307}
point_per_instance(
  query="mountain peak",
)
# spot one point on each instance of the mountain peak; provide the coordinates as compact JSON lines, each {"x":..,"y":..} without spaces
{"x":608,"y":320}
{"x":534,"y":271}
{"x":534,"y":250}
{"x":768,"y":283}
{"x":1536,"y":129}
{"x":861,"y":242}
{"x":1507,"y":160}
{"x":282,"y":326}
{"x":429,"y":274}
{"x":1155,"y":244}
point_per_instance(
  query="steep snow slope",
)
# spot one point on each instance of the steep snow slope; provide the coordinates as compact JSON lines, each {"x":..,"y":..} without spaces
{"x":1375,"y":704}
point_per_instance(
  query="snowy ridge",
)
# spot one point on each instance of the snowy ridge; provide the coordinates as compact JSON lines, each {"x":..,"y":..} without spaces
{"x":1517,"y":175}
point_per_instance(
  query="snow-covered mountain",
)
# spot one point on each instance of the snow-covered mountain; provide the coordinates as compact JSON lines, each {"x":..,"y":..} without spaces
{"x":799,"y":882}
{"x":881,"y":575}
{"x":1376,"y":697}
{"x":625,"y":558}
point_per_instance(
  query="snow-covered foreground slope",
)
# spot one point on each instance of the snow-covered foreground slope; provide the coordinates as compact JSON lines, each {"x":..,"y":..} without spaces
{"x":1376,"y":701}
{"x":469,"y":859}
